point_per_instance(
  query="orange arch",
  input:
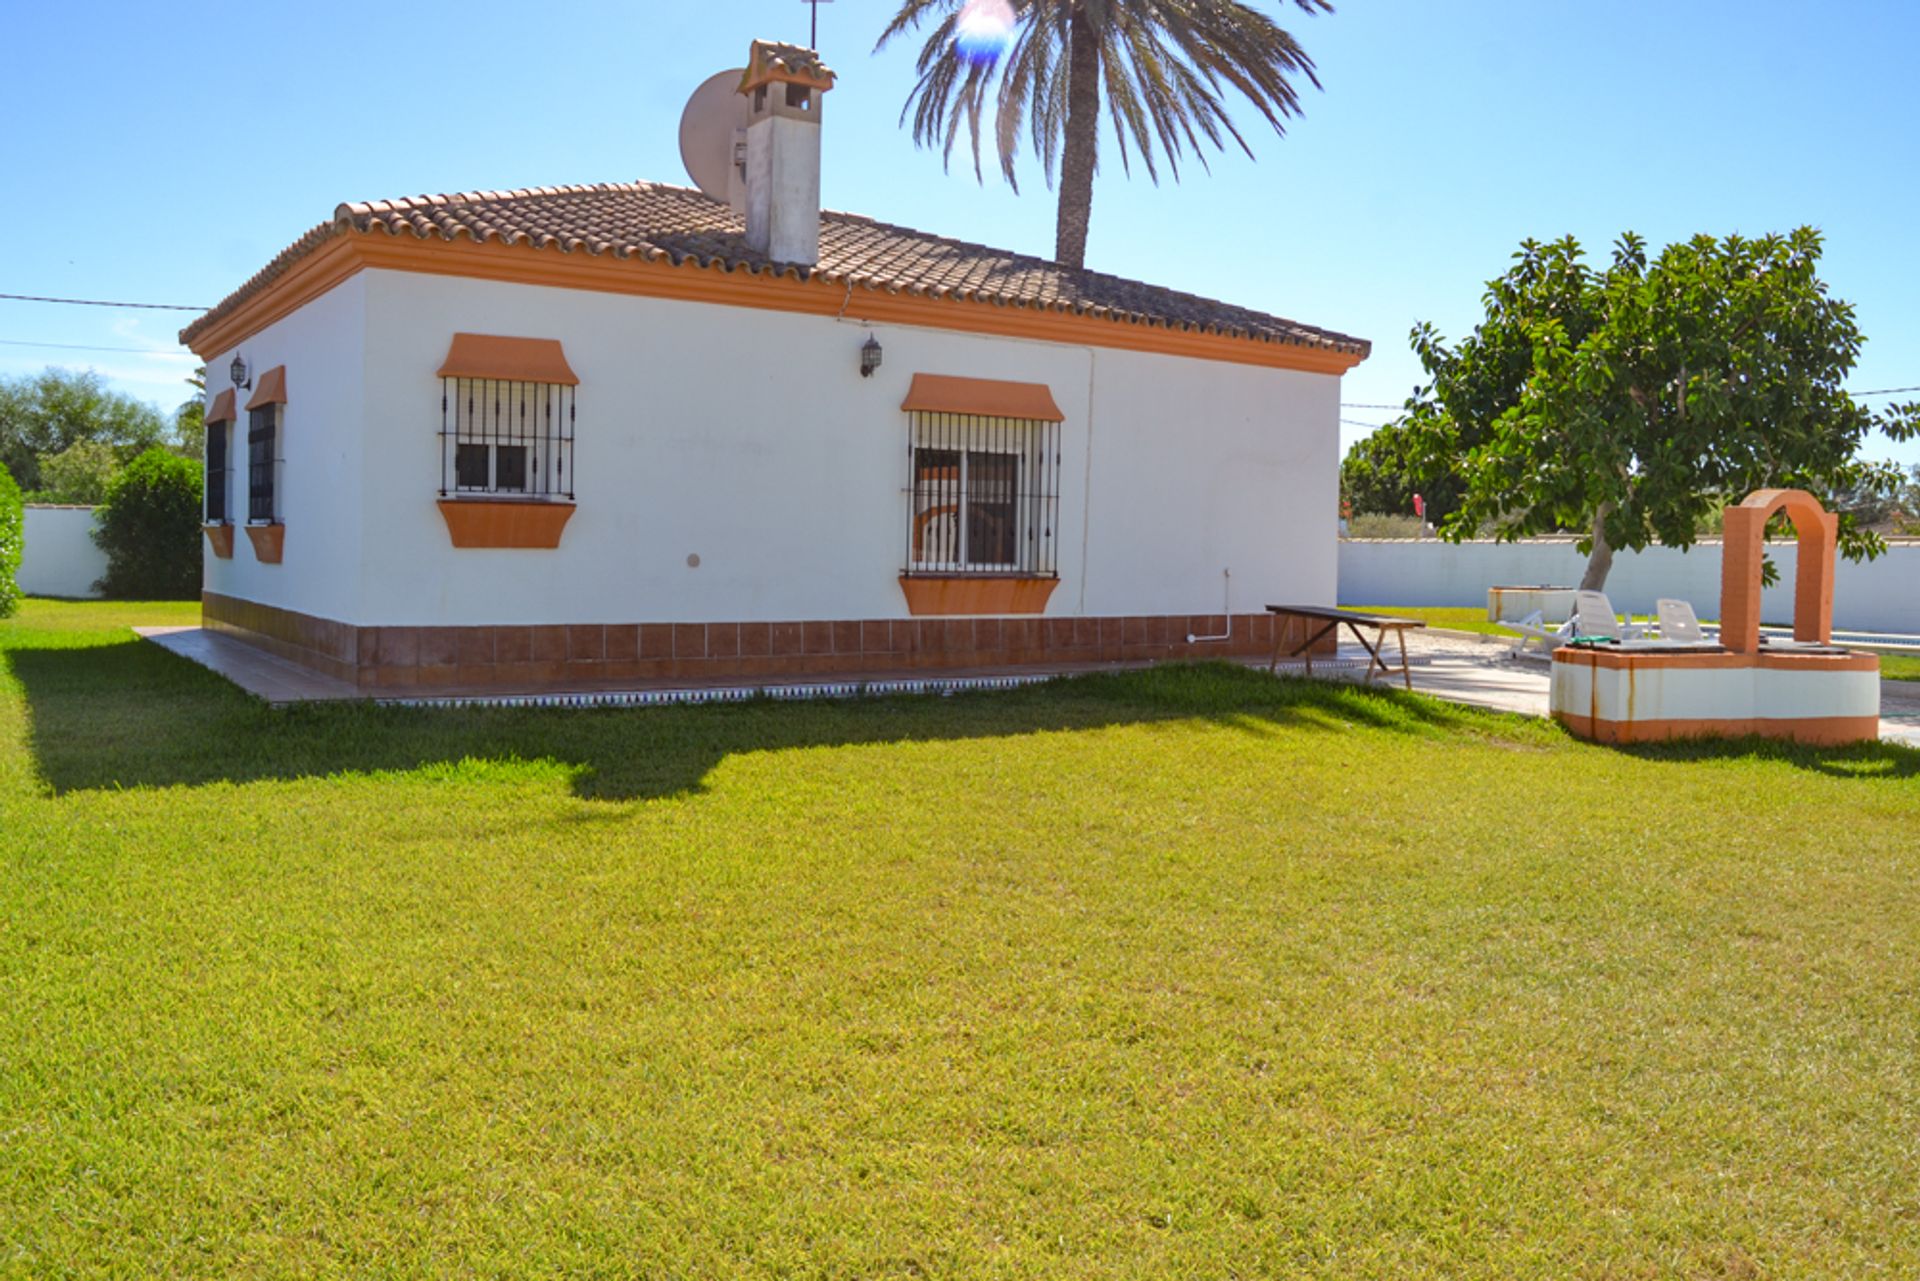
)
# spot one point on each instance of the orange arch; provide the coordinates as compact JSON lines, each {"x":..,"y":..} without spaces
{"x":1818,"y":531}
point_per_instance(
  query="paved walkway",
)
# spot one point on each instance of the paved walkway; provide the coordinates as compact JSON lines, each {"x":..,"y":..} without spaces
{"x":280,"y":681}
{"x":1458,"y":667}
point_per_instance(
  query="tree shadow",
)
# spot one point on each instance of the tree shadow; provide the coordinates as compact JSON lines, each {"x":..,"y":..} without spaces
{"x":131,"y":714}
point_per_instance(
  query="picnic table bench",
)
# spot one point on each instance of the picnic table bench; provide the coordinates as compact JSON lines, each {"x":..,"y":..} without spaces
{"x":1330,"y":620}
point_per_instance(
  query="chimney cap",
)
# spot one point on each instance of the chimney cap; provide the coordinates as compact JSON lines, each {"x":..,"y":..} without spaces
{"x":769,"y":61}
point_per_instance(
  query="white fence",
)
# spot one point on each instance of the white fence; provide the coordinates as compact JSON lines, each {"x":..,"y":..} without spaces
{"x":1877,"y":596}
{"x":59,"y":557}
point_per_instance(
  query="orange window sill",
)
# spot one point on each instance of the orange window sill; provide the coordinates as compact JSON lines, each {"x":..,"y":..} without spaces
{"x":220,"y":538}
{"x":976,"y":594}
{"x":268,"y":542}
{"x":508,"y":522}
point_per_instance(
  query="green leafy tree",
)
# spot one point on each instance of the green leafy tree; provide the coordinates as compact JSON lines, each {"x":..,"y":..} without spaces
{"x":149,"y":528}
{"x":1161,"y":70}
{"x":13,"y":520}
{"x":1383,"y":471}
{"x":1630,"y":402}
{"x":43,"y":414}
{"x":80,"y":473}
{"x":190,"y":419}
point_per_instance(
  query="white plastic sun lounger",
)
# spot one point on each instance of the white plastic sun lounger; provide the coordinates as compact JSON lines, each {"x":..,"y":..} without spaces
{"x":1593,"y":616}
{"x":1679,"y":625}
{"x":1534,"y":630}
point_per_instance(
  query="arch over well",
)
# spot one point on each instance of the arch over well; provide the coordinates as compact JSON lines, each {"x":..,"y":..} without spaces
{"x":1818,"y":532}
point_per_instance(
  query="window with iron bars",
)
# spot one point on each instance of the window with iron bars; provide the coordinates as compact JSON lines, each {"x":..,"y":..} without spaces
{"x":263,"y":441}
{"x":985,"y":495}
{"x":507,"y":438}
{"x":216,"y":487}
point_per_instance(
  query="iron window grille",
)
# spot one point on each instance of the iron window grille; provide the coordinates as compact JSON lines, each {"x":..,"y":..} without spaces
{"x":985,"y":495}
{"x":263,"y":439}
{"x":218,"y":513}
{"x":499,"y":436}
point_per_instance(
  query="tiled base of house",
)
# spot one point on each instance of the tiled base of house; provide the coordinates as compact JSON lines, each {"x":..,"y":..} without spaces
{"x":379,"y":659}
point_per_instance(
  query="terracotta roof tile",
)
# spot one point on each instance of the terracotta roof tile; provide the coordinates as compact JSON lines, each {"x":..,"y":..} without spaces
{"x":656,"y":222}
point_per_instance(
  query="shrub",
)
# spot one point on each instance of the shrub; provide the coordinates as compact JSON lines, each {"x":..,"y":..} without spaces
{"x":13,"y":520}
{"x":149,"y":528}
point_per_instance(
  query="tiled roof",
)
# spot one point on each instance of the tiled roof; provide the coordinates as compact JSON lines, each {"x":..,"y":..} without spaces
{"x":656,"y":222}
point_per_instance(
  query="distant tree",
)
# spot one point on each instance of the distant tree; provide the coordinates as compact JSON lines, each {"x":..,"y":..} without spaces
{"x":1160,"y":70}
{"x":190,"y":419}
{"x":1383,"y":471}
{"x":1630,"y":402}
{"x":42,"y":414}
{"x":12,"y":537}
{"x":80,"y":473}
{"x":149,"y":528}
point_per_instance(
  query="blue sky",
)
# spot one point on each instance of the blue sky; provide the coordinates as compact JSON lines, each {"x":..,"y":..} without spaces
{"x":165,"y":152}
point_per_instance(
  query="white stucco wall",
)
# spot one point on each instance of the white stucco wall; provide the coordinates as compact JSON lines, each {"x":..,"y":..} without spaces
{"x":1878,"y":596}
{"x":58,"y":556}
{"x":324,"y":432}
{"x":748,"y":438}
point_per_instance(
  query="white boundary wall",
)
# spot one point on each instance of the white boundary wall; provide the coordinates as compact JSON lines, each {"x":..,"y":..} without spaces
{"x":1878,"y":596}
{"x":59,"y":557}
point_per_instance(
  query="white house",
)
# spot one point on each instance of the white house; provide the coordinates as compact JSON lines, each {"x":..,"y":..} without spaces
{"x":627,"y":432}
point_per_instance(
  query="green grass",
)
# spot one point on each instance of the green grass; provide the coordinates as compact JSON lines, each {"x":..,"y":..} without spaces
{"x":1182,"y":973}
{"x":1900,"y":667}
{"x":1454,"y":618}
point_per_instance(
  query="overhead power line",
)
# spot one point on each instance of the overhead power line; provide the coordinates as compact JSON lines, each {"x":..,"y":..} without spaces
{"x":1884,"y":391}
{"x":96,"y":302}
{"x":74,"y":346}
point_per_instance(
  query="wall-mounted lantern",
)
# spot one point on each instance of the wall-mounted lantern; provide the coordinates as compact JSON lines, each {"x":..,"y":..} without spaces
{"x":869,"y":356}
{"x":238,"y":372}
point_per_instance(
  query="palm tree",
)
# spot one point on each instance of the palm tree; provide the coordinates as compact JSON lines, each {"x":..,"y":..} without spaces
{"x":1164,"y":65}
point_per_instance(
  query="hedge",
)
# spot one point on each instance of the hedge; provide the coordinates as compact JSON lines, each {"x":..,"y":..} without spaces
{"x":13,"y":521}
{"x":149,"y":528}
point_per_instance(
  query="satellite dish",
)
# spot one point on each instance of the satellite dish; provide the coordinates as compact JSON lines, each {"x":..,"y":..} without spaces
{"x":710,"y":127}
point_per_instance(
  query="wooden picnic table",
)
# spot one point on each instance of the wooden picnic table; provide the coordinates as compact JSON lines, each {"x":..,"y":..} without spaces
{"x":1331,"y":619}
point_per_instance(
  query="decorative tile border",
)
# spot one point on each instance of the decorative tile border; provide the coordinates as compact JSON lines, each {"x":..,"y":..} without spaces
{"x":415,"y":660}
{"x":942,"y":685}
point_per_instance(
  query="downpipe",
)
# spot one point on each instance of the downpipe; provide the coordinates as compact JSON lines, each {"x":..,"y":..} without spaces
{"x":1227,"y":575}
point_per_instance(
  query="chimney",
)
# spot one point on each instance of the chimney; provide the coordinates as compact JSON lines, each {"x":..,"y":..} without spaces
{"x":784,"y":84}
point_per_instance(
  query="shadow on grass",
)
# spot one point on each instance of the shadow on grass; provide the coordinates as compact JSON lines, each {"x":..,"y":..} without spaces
{"x":129,"y":714}
{"x":1877,"y":760}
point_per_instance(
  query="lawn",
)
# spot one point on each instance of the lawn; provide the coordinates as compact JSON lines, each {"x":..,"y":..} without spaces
{"x":1184,"y":973}
{"x":1454,"y":618}
{"x":1900,"y":667}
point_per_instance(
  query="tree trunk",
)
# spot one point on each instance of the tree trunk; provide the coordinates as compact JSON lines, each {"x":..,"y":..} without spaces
{"x":1079,"y":151}
{"x":1600,"y":560}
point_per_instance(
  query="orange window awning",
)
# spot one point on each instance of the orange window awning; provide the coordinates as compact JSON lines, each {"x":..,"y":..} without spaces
{"x":221,"y":411}
{"x":270,"y":388}
{"x":986,"y":397}
{"x":526,"y":360}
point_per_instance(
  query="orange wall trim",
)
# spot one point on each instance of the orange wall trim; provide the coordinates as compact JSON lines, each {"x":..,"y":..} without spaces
{"x":987,"y":397}
{"x":349,"y":252}
{"x":272,"y":389}
{"x":965,"y":594}
{"x":478,"y":522}
{"x":1819,"y":731}
{"x":220,"y":538}
{"x":268,"y":542}
{"x":1776,"y":660}
{"x":533,"y":360}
